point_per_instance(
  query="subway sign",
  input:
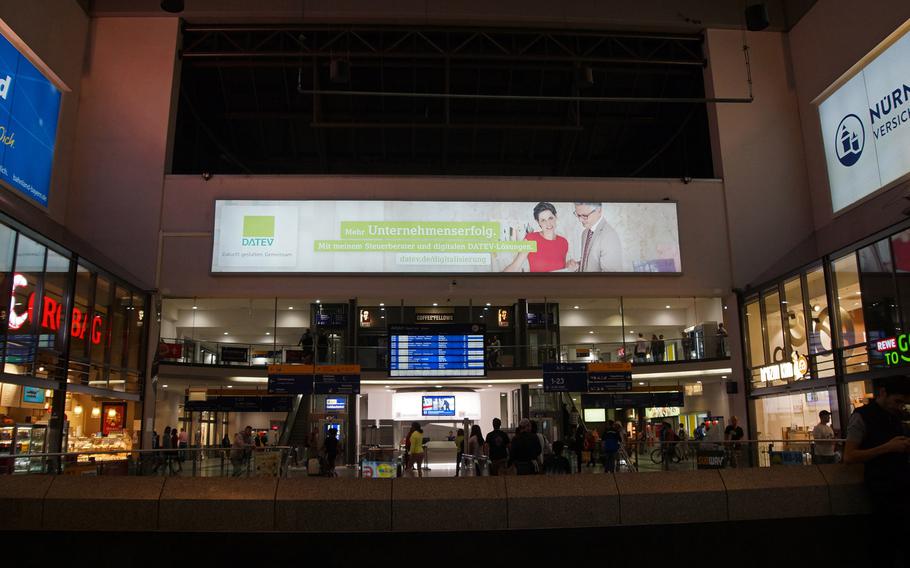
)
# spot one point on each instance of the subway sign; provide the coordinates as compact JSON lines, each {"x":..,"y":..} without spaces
{"x":896,"y":350}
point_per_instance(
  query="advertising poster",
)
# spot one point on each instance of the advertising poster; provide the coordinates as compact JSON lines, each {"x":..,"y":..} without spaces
{"x":29,"y":109}
{"x":113,"y":417}
{"x":445,"y":237}
{"x":866,"y":127}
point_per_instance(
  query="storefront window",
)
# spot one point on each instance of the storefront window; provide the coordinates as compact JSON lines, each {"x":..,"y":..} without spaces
{"x":850,"y":314}
{"x":774,"y":327}
{"x":820,"y":334}
{"x":879,"y":299}
{"x":7,"y":248}
{"x":53,"y":307}
{"x":796,"y":315}
{"x":79,"y":339}
{"x":22,"y":329}
{"x":859,"y":394}
{"x":136,"y":320}
{"x":97,"y":331}
{"x":755,"y":339}
{"x":791,"y":417}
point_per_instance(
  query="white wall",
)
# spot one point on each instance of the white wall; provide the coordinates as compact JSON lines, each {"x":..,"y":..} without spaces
{"x":759,"y":151}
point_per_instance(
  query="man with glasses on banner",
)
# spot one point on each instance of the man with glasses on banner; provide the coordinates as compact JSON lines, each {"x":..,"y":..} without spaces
{"x":601,"y":250}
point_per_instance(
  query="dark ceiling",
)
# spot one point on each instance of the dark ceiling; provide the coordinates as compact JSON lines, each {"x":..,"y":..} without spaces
{"x":247,"y":102}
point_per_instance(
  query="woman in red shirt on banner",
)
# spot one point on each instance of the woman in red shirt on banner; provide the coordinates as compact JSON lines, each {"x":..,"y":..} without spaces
{"x":551,"y":248}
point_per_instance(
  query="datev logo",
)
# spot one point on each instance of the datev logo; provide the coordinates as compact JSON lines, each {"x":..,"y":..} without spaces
{"x":850,"y":140}
{"x":258,"y":230}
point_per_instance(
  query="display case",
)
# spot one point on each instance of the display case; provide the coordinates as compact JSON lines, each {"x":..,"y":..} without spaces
{"x":97,"y":443}
{"x":29,"y":439}
{"x":6,"y":439}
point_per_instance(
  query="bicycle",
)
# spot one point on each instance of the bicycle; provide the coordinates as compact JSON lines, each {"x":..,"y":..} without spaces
{"x":676,"y":455}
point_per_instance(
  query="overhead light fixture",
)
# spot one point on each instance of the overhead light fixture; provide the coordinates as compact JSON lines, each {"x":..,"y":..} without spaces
{"x":112,"y":413}
{"x":591,"y":332}
{"x":698,"y":382}
{"x":723,"y":376}
{"x":230,"y":386}
{"x":195,"y":307}
{"x":381,"y":304}
{"x":172,"y":6}
{"x":668,"y":307}
{"x":488,"y":303}
{"x":481,"y":316}
{"x":435,"y":304}
{"x":225,"y":333}
{"x":290,"y":307}
{"x":96,"y":412}
{"x":268,"y":333}
{"x":574,"y":307}
{"x":641,"y":383}
{"x":77,"y":409}
{"x":816,"y":308}
{"x":318,"y":301}
{"x":439,"y":386}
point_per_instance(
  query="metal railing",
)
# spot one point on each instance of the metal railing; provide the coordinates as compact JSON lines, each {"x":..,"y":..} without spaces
{"x":214,"y":461}
{"x":656,"y":352}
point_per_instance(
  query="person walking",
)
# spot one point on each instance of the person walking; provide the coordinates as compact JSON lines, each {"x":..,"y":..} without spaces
{"x":611,"y":443}
{"x":877,"y":438}
{"x":641,"y":349}
{"x":525,"y":449}
{"x":824,"y":451}
{"x":241,"y":447}
{"x":459,"y":448}
{"x":578,"y":444}
{"x":655,"y":348}
{"x":182,"y":443}
{"x":475,"y":447}
{"x":732,"y":435}
{"x":415,"y":451}
{"x":497,"y":448}
{"x":544,"y":443}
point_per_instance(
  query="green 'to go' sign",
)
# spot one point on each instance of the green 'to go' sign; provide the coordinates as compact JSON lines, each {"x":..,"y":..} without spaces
{"x":895,"y":349}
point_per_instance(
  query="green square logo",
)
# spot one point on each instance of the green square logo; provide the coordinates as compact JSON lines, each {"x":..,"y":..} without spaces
{"x":258,"y":226}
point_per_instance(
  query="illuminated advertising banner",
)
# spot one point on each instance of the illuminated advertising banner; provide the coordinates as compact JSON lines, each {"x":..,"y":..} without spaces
{"x":445,"y":237}
{"x":29,"y":108}
{"x":866,"y":127}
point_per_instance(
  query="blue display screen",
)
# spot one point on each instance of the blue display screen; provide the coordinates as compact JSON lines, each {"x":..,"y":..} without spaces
{"x":454,"y":351}
{"x":438,"y":406}
{"x":334,"y":404}
{"x":33,"y":395}
{"x":29,"y":109}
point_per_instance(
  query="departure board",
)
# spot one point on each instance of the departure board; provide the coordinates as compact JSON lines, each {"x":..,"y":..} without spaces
{"x":436,"y":350}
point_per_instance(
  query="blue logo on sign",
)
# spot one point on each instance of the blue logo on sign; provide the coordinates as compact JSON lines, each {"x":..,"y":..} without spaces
{"x":850,"y":140}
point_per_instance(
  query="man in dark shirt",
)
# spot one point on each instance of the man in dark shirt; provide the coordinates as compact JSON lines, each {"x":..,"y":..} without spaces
{"x":877,"y":439}
{"x":497,"y":447}
{"x":330,"y":447}
{"x":525,"y":449}
{"x":733,"y":434}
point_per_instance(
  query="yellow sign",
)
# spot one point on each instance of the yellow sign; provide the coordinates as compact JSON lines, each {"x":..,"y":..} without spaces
{"x":608,"y":367}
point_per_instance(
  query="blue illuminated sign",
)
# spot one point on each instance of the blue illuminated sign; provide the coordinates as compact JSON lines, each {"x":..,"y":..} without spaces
{"x":29,"y":108}
{"x":33,"y":395}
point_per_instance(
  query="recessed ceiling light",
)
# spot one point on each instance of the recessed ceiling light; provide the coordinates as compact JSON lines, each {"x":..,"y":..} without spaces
{"x":590,"y":332}
{"x":488,"y":303}
{"x":290,"y":307}
{"x":383,"y":317}
{"x":486,"y":309}
{"x":195,"y":308}
{"x":699,"y":382}
{"x":268,"y":333}
{"x":439,"y":386}
{"x":230,"y":386}
{"x":164,"y":386}
{"x":641,"y":383}
{"x":225,"y":333}
{"x":668,"y":307}
{"x":381,"y":304}
{"x":481,"y":316}
{"x":574,"y":307}
{"x":435,"y":304}
{"x":723,"y":376}
{"x":318,"y":301}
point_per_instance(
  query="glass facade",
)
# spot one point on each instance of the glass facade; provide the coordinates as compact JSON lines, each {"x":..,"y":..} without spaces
{"x":250,"y":332}
{"x":845,"y":320}
{"x":67,"y":322}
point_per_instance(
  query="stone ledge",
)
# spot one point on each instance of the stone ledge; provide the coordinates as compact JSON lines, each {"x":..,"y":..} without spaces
{"x":846,"y":489}
{"x":334,"y":505}
{"x":218,"y":504}
{"x":776,"y":493}
{"x":449,"y":504}
{"x":677,"y":497}
{"x":113,"y":503}
{"x":543,"y":502}
{"x":22,"y":501}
